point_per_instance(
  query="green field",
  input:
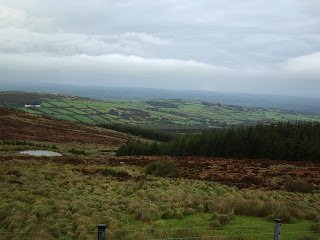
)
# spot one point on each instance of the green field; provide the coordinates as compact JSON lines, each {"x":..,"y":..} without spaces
{"x":162,"y":112}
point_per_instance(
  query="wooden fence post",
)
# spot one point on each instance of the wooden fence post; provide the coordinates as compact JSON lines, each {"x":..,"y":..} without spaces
{"x":277,"y":229}
{"x":102,"y":232}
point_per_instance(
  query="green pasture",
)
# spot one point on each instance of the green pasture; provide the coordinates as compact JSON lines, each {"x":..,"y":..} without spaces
{"x":76,"y":110}
{"x":59,"y":104}
{"x":82,"y":118}
{"x":32,"y":111}
{"x":45,"y":104}
{"x":48,"y":111}
{"x":161,"y":112}
{"x":64,"y":111}
{"x":65,"y":117}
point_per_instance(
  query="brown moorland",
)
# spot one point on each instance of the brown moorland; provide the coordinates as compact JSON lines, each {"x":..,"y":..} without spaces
{"x":243,"y":173}
{"x":18,"y":125}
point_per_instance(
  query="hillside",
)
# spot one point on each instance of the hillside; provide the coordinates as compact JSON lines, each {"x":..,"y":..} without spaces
{"x":19,"y":125}
{"x":161,"y":113}
{"x":288,"y":103}
{"x":65,"y":197}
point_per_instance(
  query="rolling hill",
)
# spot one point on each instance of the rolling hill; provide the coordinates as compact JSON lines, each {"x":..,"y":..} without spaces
{"x":22,"y":126}
{"x":288,"y":103}
{"x":159,"y":113}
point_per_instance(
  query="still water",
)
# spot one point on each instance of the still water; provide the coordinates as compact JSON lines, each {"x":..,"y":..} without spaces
{"x":42,"y":153}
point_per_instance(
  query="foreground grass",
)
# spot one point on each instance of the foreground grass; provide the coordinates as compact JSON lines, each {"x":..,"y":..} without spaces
{"x":58,"y":200}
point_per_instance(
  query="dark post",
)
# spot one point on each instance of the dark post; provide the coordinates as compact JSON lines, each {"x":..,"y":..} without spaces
{"x":277,"y":229}
{"x":102,"y":232}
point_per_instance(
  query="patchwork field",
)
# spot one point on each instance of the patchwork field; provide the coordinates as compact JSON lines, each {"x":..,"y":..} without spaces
{"x":165,"y":113}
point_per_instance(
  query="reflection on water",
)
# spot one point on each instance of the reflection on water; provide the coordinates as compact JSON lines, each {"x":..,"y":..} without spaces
{"x":41,"y":153}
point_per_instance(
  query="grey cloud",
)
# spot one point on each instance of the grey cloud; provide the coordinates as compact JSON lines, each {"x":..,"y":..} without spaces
{"x":133,"y":71}
{"x":305,"y":68}
{"x":249,"y":45}
{"x":16,"y":18}
{"x":20,"y":32}
{"x":21,"y":40}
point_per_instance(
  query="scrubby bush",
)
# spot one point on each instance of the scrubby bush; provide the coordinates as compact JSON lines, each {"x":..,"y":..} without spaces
{"x":164,"y":168}
{"x":220,"y":205}
{"x":72,"y":160}
{"x":77,"y":152}
{"x":215,"y":224}
{"x":248,"y":207}
{"x":299,"y":186}
{"x":109,"y":172}
{"x":146,"y":213}
{"x":224,"y":219}
{"x":221,"y":219}
{"x":168,"y":214}
{"x":189,"y":211}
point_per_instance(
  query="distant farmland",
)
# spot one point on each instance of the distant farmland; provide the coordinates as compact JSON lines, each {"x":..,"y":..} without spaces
{"x":156,"y":113}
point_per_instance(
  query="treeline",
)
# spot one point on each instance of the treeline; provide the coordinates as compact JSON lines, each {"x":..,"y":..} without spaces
{"x":288,"y":141}
{"x":139,"y":131}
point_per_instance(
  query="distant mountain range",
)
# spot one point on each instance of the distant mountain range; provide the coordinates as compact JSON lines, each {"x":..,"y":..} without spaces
{"x":289,"y":103}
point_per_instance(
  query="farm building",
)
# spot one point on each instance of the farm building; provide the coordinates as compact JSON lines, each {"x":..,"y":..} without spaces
{"x":30,"y":105}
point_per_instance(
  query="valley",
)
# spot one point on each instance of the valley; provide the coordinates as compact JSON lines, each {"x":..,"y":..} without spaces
{"x":162,"y":114}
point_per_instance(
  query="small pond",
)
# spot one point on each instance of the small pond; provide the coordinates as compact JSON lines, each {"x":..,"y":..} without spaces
{"x":42,"y":153}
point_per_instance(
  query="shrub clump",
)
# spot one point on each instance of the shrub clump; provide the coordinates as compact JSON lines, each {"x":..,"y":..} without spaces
{"x":300,"y":186}
{"x":72,"y":160}
{"x":164,"y":168}
{"x":168,"y":214}
{"x":77,"y":152}
{"x":218,"y":220}
{"x":145,"y":213}
{"x":109,"y":172}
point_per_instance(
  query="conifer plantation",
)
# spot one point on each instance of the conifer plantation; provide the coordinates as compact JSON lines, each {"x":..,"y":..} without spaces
{"x":298,"y":141}
{"x":139,"y":131}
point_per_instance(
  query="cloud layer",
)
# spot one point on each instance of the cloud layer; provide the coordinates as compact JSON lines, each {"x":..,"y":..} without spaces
{"x":232,"y":46}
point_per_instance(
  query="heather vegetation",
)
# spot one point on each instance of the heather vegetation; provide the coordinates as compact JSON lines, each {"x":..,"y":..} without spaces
{"x":77,"y":152}
{"x":164,"y":168}
{"x":287,"y":141}
{"x":24,"y":143}
{"x":54,"y":199}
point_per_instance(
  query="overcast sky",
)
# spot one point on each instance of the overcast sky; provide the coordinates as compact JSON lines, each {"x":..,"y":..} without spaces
{"x":253,"y":46}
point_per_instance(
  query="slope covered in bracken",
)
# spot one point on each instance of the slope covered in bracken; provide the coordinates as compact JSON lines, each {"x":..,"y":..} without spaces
{"x":18,"y":125}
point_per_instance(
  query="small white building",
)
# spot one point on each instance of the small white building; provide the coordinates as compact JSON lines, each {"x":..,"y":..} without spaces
{"x":30,"y":106}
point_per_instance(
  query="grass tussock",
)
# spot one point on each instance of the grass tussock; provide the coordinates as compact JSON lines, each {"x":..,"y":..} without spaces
{"x":67,"y":204}
{"x":164,"y":168}
{"x":299,"y":186}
